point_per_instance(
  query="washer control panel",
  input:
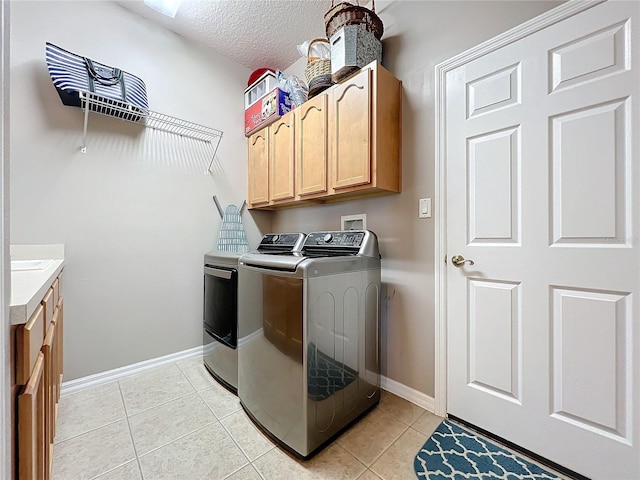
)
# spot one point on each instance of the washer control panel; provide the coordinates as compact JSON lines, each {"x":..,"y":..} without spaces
{"x":350,"y":238}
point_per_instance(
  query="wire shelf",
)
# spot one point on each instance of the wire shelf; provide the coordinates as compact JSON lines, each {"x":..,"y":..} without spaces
{"x":90,"y":102}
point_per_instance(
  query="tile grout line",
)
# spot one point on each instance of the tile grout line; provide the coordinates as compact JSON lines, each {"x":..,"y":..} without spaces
{"x":387,"y":448}
{"x":91,"y":429}
{"x":88,"y":398}
{"x":255,"y":469}
{"x":257,"y":458}
{"x":211,"y":409}
{"x":185,"y":376}
{"x":126,"y":414}
{"x":204,"y":389}
{"x":230,"y":436}
{"x":194,"y":392}
{"x":201,"y":427}
{"x":238,"y":445}
{"x":87,"y":431}
{"x":162,"y":403}
{"x":351,"y":454}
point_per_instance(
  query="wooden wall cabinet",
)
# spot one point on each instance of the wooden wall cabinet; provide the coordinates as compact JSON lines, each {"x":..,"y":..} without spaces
{"x":258,"y":169}
{"x":292,"y":153}
{"x":343,"y":143}
{"x":312,"y":149}
{"x":365,"y":133}
{"x":281,"y":159}
{"x":38,"y":380}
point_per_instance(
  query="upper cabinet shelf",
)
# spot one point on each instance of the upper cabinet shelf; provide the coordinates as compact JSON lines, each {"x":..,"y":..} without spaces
{"x":158,"y":121}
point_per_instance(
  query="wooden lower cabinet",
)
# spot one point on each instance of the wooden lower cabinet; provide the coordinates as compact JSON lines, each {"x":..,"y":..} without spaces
{"x":52,"y":385}
{"x":39,"y":353}
{"x":58,"y":358}
{"x":32,"y":442}
{"x":29,"y":341}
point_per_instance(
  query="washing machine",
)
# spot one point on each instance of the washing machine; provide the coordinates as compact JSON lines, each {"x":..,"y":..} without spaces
{"x":309,"y":336}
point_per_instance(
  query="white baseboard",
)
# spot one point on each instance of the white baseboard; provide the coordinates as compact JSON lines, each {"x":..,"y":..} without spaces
{"x":72,"y":386}
{"x":78,"y":384}
{"x":414,"y":396}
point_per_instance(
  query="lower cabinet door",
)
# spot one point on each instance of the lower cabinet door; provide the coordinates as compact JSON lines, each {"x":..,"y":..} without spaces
{"x":59,"y":367}
{"x":51,"y":385}
{"x":32,"y":441}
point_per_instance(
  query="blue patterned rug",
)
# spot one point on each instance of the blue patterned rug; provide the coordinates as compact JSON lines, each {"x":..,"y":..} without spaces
{"x":455,"y":453}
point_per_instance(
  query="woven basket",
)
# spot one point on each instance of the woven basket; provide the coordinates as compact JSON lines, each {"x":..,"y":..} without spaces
{"x":317,"y":67}
{"x":348,"y":14}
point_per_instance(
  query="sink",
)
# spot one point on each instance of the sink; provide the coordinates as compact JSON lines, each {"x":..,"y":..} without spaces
{"x":19,"y":265}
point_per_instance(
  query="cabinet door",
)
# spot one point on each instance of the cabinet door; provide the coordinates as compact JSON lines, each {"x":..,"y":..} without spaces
{"x":311,"y":147}
{"x":49,"y":305}
{"x":50,"y":388}
{"x":56,"y":290}
{"x":58,"y":354}
{"x":350,"y":131}
{"x":281,"y":159}
{"x":258,"y":168}
{"x":29,"y":340}
{"x":31,"y":426}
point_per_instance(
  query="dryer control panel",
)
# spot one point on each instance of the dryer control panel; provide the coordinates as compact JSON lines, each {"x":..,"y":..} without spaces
{"x":281,"y":242}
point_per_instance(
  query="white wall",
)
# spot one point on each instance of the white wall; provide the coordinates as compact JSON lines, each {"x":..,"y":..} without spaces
{"x":135,"y":212}
{"x":418,"y":36}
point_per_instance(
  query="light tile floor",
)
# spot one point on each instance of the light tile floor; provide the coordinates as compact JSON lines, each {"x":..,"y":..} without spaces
{"x":175,"y":422}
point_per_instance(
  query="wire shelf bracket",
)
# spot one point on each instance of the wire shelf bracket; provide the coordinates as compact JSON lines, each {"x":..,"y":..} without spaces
{"x":90,"y":102}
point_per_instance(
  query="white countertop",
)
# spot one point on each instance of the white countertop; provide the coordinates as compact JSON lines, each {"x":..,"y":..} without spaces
{"x":28,"y":287}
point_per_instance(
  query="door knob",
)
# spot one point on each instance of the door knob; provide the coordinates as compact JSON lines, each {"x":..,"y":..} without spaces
{"x":459,"y":261}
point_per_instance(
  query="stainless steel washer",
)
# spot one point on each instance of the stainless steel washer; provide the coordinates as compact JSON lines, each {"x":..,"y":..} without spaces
{"x":308,"y":347}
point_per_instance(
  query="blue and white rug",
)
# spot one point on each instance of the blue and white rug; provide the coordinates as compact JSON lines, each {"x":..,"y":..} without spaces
{"x":455,"y":453}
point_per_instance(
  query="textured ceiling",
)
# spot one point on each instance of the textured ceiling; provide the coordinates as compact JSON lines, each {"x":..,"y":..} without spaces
{"x":253,"y":33}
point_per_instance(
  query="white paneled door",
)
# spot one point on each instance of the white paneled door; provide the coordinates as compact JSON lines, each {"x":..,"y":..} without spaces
{"x":542,"y":181}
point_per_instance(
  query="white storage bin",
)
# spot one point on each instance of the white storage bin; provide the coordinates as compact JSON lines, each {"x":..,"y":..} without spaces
{"x":259,"y":88}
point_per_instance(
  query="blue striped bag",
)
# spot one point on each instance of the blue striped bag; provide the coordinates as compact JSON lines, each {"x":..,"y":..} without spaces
{"x":120,"y":93}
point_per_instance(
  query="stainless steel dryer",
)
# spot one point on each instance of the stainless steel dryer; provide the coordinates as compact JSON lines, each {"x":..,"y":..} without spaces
{"x":220,"y":336}
{"x":220,"y":315}
{"x":308,"y":337}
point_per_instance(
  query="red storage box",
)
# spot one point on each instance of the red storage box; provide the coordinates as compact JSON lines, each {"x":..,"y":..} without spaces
{"x":266,"y":110}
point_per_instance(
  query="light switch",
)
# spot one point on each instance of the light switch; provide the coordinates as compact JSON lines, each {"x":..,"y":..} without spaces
{"x":424,"y":208}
